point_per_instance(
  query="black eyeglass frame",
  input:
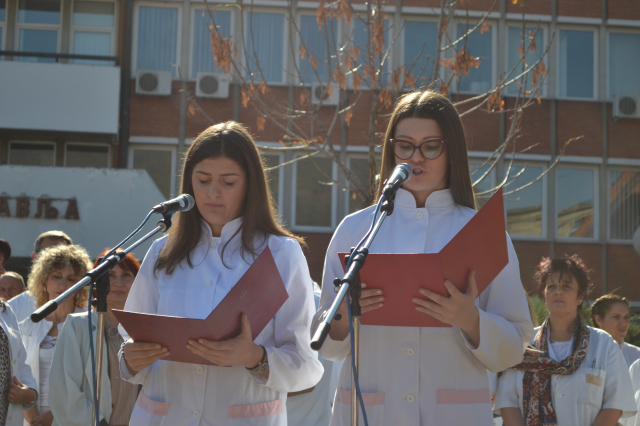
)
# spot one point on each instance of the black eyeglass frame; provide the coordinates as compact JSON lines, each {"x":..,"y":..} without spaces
{"x":443,"y":143}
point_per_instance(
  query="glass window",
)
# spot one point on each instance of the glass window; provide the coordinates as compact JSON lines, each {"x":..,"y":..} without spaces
{"x":479,"y":45}
{"x":93,"y":14}
{"x":265,"y":45}
{"x":273,"y":176}
{"x":576,"y":64}
{"x":420,"y":45}
{"x":624,"y":204}
{"x":77,"y":155}
{"x":32,"y":154}
{"x":157,"y":38}
{"x":477,"y":170}
{"x":93,"y":22}
{"x":524,"y":207}
{"x":39,"y":12}
{"x":360,"y":167}
{"x":624,"y":63}
{"x":202,"y":50}
{"x":2,"y":10}
{"x":313,"y":197}
{"x":360,"y":39}
{"x":157,"y":162}
{"x":575,"y":198}
{"x":513,"y":52}
{"x":38,"y":22}
{"x":90,"y":43}
{"x":315,"y":41}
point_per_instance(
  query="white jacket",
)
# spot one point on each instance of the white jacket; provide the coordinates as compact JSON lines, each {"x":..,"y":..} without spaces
{"x":413,"y":376}
{"x":23,"y":305}
{"x":19,"y":367}
{"x":71,"y":375}
{"x":576,"y":398}
{"x":188,"y":394}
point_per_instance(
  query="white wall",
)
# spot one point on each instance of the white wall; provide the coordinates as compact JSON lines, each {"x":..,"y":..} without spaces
{"x":111,"y":203}
{"x":62,"y":97}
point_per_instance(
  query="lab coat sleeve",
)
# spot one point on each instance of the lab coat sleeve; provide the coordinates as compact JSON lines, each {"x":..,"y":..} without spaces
{"x":507,"y":393}
{"x":618,"y":390}
{"x":69,"y":404}
{"x":333,"y":350}
{"x":293,"y":365}
{"x":26,"y":376}
{"x":505,"y":323}
{"x":143,"y":298}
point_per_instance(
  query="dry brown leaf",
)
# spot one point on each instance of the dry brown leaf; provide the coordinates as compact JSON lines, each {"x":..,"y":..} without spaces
{"x":485,"y":27}
{"x":444,"y":89}
{"x":344,"y":11}
{"x":260,"y":123}
{"x":409,"y":80}
{"x":532,"y":42}
{"x":321,"y":16}
{"x":314,"y":62}
{"x":463,"y":61}
{"x":192,"y":109}
{"x":302,"y":52}
{"x":445,"y":24}
{"x":347,"y":117}
{"x":262,"y":87}
{"x":245,"y":98}
{"x":304,"y":97}
{"x":494,"y":101}
{"x":357,"y":81}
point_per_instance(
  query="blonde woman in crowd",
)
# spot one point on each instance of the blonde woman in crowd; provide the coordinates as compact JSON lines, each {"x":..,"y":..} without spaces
{"x":55,"y":270}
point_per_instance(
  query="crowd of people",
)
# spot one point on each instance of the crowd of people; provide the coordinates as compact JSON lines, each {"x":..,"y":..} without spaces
{"x":489,"y":362}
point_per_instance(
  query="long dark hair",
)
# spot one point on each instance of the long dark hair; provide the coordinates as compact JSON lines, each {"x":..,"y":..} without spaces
{"x":433,"y":105}
{"x":233,"y":141}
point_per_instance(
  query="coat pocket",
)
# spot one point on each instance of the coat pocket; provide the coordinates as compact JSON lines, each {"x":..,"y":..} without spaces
{"x":373,"y":404}
{"x":148,"y":412}
{"x":591,"y":387}
{"x":464,"y":407}
{"x":265,"y":414}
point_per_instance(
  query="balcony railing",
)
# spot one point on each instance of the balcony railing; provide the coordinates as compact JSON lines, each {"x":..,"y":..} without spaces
{"x":9,"y":54}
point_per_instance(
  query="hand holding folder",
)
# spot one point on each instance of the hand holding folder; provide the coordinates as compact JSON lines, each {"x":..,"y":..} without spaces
{"x":259,"y":294}
{"x":481,"y":245}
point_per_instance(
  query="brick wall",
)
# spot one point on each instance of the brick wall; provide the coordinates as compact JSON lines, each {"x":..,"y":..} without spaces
{"x":535,"y":127}
{"x":530,"y":253}
{"x":578,"y":119}
{"x":154,"y":115}
{"x":315,"y":252}
{"x":591,"y":254}
{"x":624,"y":137}
{"x":623,"y":9}
{"x":581,"y":8}
{"x":622,"y":271}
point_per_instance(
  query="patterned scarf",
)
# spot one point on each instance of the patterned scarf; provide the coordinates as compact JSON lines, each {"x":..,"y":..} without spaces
{"x":537,"y":402}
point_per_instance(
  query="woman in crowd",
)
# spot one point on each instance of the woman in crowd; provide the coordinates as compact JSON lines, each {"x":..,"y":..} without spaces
{"x":571,"y":374}
{"x":55,"y":270}
{"x":189,"y":272}
{"x":611,"y":313}
{"x":71,"y":371}
{"x":426,"y":376}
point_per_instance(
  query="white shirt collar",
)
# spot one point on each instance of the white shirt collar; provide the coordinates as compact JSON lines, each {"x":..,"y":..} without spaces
{"x":437,"y":199}
{"x":228,"y":230}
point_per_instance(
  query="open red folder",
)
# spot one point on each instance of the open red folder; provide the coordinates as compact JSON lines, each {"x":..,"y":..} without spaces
{"x":260,"y":293}
{"x":481,"y":245}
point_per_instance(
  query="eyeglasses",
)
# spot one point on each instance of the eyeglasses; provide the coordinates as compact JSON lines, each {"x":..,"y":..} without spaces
{"x":430,"y":149}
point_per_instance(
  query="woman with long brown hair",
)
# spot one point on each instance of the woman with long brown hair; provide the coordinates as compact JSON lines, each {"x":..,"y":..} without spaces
{"x":427,"y":376}
{"x":189,"y":272}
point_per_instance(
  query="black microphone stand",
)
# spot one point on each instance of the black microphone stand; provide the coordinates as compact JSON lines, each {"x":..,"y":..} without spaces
{"x":100,"y":276}
{"x":351,"y":283}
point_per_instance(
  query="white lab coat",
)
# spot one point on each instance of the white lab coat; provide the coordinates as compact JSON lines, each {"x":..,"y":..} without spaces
{"x":414,"y":376}
{"x":631,"y":353}
{"x":189,"y":394}
{"x":634,"y":372}
{"x":576,"y":400}
{"x":19,"y":367}
{"x":71,"y":375}
{"x":23,"y":305}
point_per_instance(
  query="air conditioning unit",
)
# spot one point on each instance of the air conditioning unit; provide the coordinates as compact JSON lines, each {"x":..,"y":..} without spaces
{"x":156,"y":83}
{"x":321,"y":92}
{"x":209,"y":85}
{"x":626,"y":106}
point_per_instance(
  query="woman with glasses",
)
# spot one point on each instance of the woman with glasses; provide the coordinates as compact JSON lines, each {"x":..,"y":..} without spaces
{"x":611,"y":313}
{"x":426,"y":376}
{"x":71,"y":371}
{"x":55,"y":270}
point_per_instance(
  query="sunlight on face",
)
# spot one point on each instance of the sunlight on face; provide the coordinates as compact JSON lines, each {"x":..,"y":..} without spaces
{"x":562,"y":297}
{"x":616,"y":321}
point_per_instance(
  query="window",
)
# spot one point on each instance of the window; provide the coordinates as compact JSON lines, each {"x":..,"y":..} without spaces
{"x":576,"y":202}
{"x":274,"y":176}
{"x":313,"y":205}
{"x":159,"y":163}
{"x":202,"y":56}
{"x":92,"y":29}
{"x":514,"y":55}
{"x":624,"y":204}
{"x":480,"y":45}
{"x":32,"y":153}
{"x":624,"y":62}
{"x":2,"y":18}
{"x":315,"y":41}
{"x":38,"y":26}
{"x":477,"y":171}
{"x":360,"y":40}
{"x":576,"y":63}
{"x":360,"y":167}
{"x":157,"y":43}
{"x":524,"y":208}
{"x":420,"y":45}
{"x":86,"y":155}
{"x":265,"y":46}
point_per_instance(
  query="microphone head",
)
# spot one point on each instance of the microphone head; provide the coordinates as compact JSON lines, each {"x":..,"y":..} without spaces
{"x":405,"y":169}
{"x":188,"y":202}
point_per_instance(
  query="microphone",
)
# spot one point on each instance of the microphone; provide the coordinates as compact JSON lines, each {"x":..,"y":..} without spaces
{"x":183,"y":203}
{"x":400,"y":175}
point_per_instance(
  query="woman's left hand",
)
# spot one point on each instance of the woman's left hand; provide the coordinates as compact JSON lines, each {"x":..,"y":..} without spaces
{"x":458,"y":310}
{"x":19,"y":393}
{"x":239,"y":350}
{"x":44,"y":419}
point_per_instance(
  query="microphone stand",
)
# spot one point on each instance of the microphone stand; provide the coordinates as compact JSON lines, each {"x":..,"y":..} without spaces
{"x":351,"y":283}
{"x":100,"y":276}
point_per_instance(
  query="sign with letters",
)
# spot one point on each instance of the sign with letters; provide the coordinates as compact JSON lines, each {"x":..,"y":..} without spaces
{"x":44,"y":208}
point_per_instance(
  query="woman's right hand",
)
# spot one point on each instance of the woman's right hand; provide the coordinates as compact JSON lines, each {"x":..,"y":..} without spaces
{"x":370,"y":299}
{"x":140,"y":355}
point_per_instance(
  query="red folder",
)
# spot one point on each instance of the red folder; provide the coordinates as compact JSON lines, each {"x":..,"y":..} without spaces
{"x":481,"y":245}
{"x":260,"y":293}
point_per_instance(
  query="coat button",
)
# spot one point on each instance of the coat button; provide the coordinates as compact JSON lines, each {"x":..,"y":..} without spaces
{"x":559,"y":394}
{"x":410,"y":352}
{"x":419,"y":215}
{"x":196,"y":414}
{"x":207,"y":283}
{"x":200,"y":370}
{"x":213,"y":243}
{"x":15,"y":362}
{"x":410,"y":398}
